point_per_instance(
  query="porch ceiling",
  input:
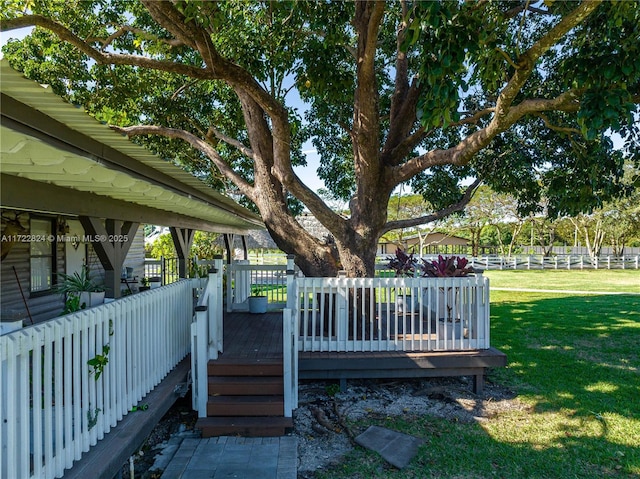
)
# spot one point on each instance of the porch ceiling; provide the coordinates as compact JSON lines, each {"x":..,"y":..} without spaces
{"x":48,"y":141}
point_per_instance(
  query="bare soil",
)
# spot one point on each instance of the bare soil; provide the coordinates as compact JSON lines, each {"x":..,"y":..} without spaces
{"x":324,"y":419}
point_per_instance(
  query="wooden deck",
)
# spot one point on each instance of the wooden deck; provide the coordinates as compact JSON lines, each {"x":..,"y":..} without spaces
{"x":259,"y":337}
{"x":252,"y":337}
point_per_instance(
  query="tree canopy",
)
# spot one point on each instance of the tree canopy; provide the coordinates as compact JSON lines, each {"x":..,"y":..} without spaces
{"x":520,"y":95}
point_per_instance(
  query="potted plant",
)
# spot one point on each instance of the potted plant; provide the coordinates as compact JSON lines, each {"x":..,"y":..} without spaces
{"x":258,"y":300}
{"x":80,"y":285}
{"x":444,"y":267}
{"x":145,"y":284}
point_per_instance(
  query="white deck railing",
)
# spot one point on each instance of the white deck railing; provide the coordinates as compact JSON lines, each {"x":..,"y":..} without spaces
{"x":392,"y":314}
{"x":66,"y":382}
{"x":244,"y":279}
{"x":206,"y":335}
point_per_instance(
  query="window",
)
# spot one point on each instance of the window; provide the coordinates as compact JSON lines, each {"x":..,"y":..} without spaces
{"x":42,"y":254}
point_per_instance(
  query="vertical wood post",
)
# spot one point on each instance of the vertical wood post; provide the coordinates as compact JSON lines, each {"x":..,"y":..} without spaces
{"x":182,"y":240}
{"x":112,"y":241}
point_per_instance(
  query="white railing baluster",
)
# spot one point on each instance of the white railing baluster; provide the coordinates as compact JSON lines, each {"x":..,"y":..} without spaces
{"x":393,"y":314}
{"x":37,"y":396}
{"x":58,"y":404}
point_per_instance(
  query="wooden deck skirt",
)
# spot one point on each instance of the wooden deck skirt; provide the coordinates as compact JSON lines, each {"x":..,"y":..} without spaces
{"x":394,"y":364}
{"x":260,"y":336}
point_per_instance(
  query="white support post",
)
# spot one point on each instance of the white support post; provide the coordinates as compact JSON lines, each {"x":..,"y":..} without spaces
{"x":212,"y":316}
{"x":201,"y":379}
{"x":218,"y":303}
{"x":292,"y":293}
{"x":288,"y":362}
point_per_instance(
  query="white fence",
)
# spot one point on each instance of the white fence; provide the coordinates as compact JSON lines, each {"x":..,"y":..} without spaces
{"x":206,"y":336}
{"x":556,"y":262}
{"x":66,"y":382}
{"x":244,"y":280}
{"x":391,"y":314}
{"x":547,"y":262}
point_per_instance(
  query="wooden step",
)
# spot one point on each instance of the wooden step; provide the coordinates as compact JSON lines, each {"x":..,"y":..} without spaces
{"x":249,"y":368}
{"x":245,"y":385}
{"x":244,"y":426}
{"x":245,"y":406}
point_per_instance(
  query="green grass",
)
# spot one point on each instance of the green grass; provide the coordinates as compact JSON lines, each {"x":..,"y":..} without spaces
{"x":574,"y":363}
{"x":577,"y":280}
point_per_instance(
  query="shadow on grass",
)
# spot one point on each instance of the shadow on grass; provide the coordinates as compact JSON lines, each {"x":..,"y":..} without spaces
{"x":574,"y":360}
{"x":580,"y":353}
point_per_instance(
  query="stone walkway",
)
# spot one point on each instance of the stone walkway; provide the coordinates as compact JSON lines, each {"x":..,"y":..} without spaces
{"x":234,"y":457}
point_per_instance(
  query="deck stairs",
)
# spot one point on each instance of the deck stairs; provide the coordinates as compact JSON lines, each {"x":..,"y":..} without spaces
{"x":246,"y":398}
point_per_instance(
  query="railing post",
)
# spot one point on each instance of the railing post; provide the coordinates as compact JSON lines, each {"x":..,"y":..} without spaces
{"x":218,"y":304}
{"x":292,"y":299}
{"x":201,"y":380}
{"x":287,"y":362}
{"x":212,"y":315}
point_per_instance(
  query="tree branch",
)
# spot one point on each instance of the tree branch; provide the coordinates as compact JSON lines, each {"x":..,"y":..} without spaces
{"x":139,"y":130}
{"x":124,"y":29}
{"x":230,"y":141}
{"x":507,"y":57}
{"x":527,"y":61}
{"x":464,"y":151}
{"x":101,"y":57}
{"x":438,"y":215}
{"x":560,"y":129}
{"x":505,"y":113}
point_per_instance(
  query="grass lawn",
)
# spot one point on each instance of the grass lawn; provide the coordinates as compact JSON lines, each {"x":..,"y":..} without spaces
{"x":627,"y":281}
{"x":574,"y":362}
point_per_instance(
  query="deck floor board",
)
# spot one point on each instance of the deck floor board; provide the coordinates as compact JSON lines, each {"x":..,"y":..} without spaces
{"x":252,"y":337}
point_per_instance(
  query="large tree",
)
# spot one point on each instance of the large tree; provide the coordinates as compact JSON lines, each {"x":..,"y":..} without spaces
{"x":516,"y":94}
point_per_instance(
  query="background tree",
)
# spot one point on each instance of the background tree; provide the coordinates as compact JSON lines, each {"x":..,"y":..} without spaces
{"x":205,"y":246}
{"x":517,"y":94}
{"x":407,"y":206}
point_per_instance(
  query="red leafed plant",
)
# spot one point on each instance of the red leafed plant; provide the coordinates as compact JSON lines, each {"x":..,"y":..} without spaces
{"x":446,"y":267}
{"x":402,"y":263}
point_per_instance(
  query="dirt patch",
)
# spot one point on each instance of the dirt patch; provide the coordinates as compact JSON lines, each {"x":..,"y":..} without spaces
{"x":322,"y":419}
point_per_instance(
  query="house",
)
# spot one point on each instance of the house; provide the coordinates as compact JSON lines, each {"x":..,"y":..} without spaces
{"x":429,"y":243}
{"x":68,"y":181}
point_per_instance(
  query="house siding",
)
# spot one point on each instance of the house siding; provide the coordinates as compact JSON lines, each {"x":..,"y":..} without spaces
{"x":47,"y":305}
{"x":42,"y":306}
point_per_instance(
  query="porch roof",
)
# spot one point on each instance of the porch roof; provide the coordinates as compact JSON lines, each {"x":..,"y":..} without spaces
{"x":55,"y":158}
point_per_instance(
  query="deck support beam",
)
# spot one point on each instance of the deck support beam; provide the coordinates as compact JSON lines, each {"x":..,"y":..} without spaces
{"x":229,"y":241}
{"x":112,"y":240}
{"x":182,"y":240}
